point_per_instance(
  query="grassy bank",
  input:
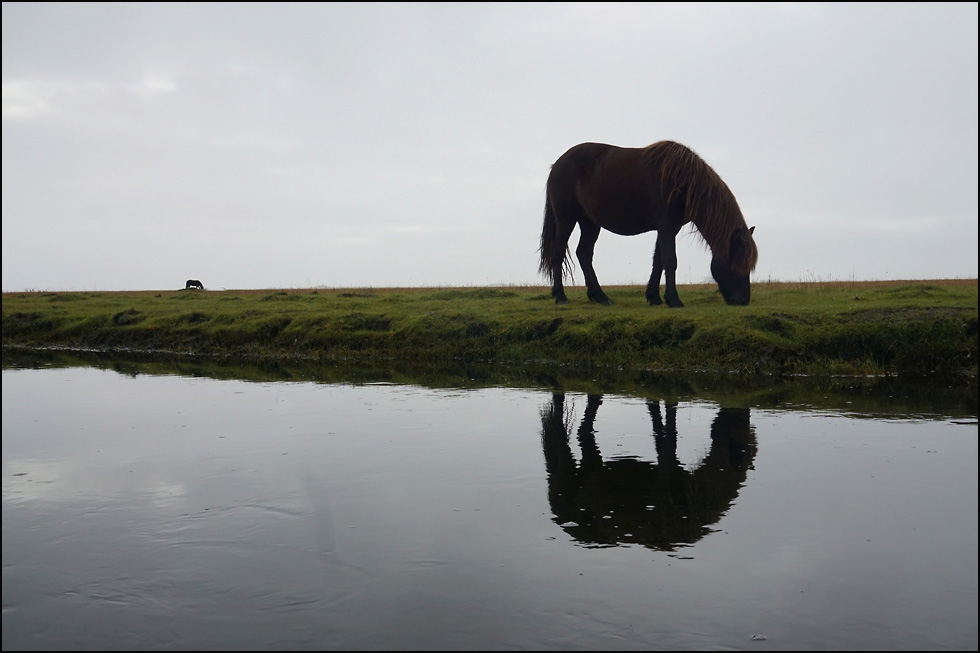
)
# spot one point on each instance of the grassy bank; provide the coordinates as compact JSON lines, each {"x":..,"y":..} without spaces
{"x":904,"y":328}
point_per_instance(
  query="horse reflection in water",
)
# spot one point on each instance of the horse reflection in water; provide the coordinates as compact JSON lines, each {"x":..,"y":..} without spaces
{"x":660,"y":505}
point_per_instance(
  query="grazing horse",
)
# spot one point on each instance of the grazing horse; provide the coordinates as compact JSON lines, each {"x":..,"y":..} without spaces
{"x":631,"y":191}
{"x":194,"y":283}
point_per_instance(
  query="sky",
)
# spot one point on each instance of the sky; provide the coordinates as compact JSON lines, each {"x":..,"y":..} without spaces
{"x":279,"y":145}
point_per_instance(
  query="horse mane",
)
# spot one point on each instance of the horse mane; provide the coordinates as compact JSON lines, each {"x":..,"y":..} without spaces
{"x":709,"y":203}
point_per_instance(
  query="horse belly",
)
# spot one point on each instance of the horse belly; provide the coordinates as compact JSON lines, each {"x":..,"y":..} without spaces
{"x":629,"y":227}
{"x":625,"y":222}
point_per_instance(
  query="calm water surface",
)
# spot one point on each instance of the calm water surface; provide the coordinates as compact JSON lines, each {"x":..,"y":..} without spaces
{"x":168,"y":512}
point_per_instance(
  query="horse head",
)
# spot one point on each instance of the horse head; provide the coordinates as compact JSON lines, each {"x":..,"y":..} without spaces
{"x":731,"y":272}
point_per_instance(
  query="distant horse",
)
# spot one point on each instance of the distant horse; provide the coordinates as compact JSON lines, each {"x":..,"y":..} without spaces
{"x":631,"y":191}
{"x":194,"y":283}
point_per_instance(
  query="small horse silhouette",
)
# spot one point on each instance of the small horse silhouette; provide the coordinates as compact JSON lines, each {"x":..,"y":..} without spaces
{"x":194,"y":283}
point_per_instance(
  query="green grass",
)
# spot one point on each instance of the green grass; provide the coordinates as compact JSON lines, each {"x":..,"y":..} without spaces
{"x":823,"y":328}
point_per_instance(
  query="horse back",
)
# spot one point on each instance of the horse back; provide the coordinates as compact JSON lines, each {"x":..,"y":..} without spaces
{"x":573,"y":168}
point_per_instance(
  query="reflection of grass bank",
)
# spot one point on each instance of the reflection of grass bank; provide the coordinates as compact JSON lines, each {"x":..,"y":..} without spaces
{"x":879,"y":397}
{"x":927,"y":327}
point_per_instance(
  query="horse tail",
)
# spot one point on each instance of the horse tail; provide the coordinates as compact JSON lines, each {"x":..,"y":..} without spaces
{"x":548,"y":234}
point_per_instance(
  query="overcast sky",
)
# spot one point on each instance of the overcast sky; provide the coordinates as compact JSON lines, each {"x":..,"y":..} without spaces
{"x":350,"y":145}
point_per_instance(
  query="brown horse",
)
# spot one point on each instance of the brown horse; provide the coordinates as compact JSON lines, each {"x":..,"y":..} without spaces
{"x":631,"y":191}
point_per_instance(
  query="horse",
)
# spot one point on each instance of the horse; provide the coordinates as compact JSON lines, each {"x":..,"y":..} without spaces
{"x":630,"y":191}
{"x":194,"y":283}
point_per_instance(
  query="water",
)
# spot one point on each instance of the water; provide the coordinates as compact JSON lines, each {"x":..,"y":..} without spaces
{"x":146,"y":511}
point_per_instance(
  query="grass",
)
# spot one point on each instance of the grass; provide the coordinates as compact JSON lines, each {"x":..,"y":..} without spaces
{"x":790,"y":328}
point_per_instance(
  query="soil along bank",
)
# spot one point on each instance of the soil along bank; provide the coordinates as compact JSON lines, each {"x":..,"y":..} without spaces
{"x":902,"y":328}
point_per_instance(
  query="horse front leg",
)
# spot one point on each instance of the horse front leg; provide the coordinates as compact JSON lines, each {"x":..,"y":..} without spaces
{"x":584,"y":251}
{"x":668,"y":250}
{"x":653,"y":286}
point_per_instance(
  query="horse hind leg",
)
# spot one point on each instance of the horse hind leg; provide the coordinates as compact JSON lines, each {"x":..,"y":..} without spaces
{"x":557,"y":258}
{"x":584,"y":252}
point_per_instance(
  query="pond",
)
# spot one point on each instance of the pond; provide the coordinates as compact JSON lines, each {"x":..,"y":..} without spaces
{"x":172,"y":511}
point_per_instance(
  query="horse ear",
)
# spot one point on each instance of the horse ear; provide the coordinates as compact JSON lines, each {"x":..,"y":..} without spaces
{"x":740,"y":241}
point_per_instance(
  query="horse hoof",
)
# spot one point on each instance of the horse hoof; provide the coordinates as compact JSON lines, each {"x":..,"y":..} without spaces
{"x":561,"y":300}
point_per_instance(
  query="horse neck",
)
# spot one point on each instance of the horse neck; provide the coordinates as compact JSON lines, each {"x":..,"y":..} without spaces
{"x":715,"y":218}
{"x":717,"y":231}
